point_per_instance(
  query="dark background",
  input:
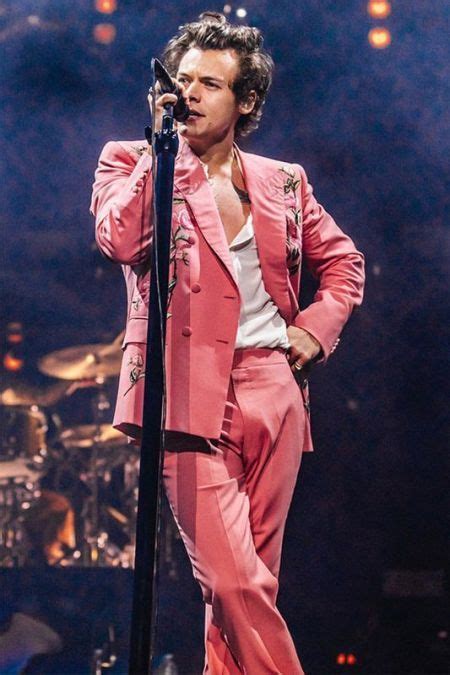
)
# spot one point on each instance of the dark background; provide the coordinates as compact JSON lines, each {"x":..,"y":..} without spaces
{"x":371,"y":127}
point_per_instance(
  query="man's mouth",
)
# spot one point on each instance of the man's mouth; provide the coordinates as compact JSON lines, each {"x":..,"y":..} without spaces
{"x":194,"y":113}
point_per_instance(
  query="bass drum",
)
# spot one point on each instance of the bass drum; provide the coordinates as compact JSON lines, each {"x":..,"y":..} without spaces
{"x":23,"y":455}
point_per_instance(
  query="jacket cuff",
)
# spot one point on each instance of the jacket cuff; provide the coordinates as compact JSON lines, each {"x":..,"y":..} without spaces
{"x":309,"y":320}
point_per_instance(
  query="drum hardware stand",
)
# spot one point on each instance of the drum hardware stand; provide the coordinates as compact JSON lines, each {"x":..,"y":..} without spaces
{"x":104,"y":657}
{"x":94,"y":540}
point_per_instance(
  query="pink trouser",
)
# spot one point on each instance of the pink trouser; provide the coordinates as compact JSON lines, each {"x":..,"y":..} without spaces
{"x":230,"y":498}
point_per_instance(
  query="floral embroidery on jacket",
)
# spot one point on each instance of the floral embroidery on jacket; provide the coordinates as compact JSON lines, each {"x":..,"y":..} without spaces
{"x":180,"y":242}
{"x":291,"y":183}
{"x":294,"y":221}
{"x":293,"y":247}
{"x":139,"y":149}
{"x":137,"y":372}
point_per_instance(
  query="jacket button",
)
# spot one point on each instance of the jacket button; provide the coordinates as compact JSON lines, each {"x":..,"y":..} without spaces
{"x":186,"y":331}
{"x":196,"y":288}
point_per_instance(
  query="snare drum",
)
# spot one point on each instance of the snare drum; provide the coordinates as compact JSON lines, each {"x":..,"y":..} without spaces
{"x":23,"y":433}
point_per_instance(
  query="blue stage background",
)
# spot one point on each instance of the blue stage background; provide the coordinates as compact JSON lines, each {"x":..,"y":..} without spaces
{"x":372,"y":129}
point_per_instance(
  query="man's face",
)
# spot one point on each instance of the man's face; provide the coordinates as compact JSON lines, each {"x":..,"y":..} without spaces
{"x":207,"y":77}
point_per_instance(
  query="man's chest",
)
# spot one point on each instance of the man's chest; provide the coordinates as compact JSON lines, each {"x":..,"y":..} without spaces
{"x":232,"y":204}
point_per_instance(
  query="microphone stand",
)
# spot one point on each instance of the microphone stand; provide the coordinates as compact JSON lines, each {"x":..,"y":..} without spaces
{"x":143,"y":621}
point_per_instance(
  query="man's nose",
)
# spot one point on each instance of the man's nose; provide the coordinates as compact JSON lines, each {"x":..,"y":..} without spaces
{"x":192,"y":91}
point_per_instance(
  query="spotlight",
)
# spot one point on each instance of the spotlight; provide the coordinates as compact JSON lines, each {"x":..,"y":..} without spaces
{"x":14,"y":332}
{"x":349,"y":659}
{"x":379,"y":9}
{"x":376,"y":270}
{"x":241,"y":13}
{"x":106,"y":6}
{"x":227,"y":9}
{"x":34,"y":20}
{"x":379,"y":38}
{"x":12,"y":363}
{"x":104,"y":33}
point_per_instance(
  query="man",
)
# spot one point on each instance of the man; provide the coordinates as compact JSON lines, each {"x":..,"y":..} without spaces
{"x":236,"y":421}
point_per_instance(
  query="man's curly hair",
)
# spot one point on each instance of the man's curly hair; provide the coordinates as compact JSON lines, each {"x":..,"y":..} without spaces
{"x":212,"y":31}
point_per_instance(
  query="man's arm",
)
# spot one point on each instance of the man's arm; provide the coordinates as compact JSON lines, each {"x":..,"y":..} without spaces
{"x":122,"y":196}
{"x":333,"y":259}
{"x":121,"y":203}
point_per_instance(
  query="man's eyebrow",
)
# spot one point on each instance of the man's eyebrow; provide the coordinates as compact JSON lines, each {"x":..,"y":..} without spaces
{"x":203,"y":77}
{"x":212,"y":77}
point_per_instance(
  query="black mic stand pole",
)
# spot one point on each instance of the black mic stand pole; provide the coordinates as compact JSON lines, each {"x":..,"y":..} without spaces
{"x":143,"y":621}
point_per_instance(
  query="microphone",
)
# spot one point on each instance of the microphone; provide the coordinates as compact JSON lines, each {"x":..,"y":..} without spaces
{"x":168,"y":86}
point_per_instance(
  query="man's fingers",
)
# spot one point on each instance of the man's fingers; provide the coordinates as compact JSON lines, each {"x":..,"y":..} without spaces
{"x":167,"y":98}
{"x":298,"y":365}
{"x":298,"y":353}
{"x":164,"y":99}
{"x":297,"y":356}
{"x":303,"y":353}
{"x":160,"y":102}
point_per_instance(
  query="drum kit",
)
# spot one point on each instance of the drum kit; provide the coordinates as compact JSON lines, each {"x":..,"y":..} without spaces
{"x":90,"y":468}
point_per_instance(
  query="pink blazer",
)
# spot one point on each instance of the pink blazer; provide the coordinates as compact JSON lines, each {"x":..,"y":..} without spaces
{"x":203,"y":311}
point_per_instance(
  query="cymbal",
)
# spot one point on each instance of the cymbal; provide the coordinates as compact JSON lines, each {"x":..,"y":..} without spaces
{"x":19,"y":396}
{"x":22,"y":394}
{"x":86,"y":435}
{"x":83,"y":362}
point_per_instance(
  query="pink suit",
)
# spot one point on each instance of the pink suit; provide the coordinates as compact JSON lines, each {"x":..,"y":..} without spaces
{"x":230,"y":493}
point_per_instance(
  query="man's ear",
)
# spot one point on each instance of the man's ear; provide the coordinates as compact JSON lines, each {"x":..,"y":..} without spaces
{"x":246,"y":107}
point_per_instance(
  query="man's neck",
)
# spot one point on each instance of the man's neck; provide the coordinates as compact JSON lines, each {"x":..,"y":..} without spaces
{"x":217,"y":157}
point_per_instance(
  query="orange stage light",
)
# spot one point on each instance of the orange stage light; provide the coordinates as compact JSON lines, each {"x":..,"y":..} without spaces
{"x":15,"y":338}
{"x":379,"y":9}
{"x":14,"y":326}
{"x":340,"y":659}
{"x":351,"y":659}
{"x":14,"y":332}
{"x":12,"y":363}
{"x":106,"y":6}
{"x":379,"y":38}
{"x":104,"y":33}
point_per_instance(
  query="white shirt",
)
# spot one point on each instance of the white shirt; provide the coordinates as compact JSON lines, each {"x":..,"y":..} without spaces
{"x":260,"y":322}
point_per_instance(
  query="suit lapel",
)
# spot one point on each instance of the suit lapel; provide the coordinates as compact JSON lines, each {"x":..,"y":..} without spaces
{"x":265,"y":185}
{"x":191,"y":181}
{"x":265,"y":188}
